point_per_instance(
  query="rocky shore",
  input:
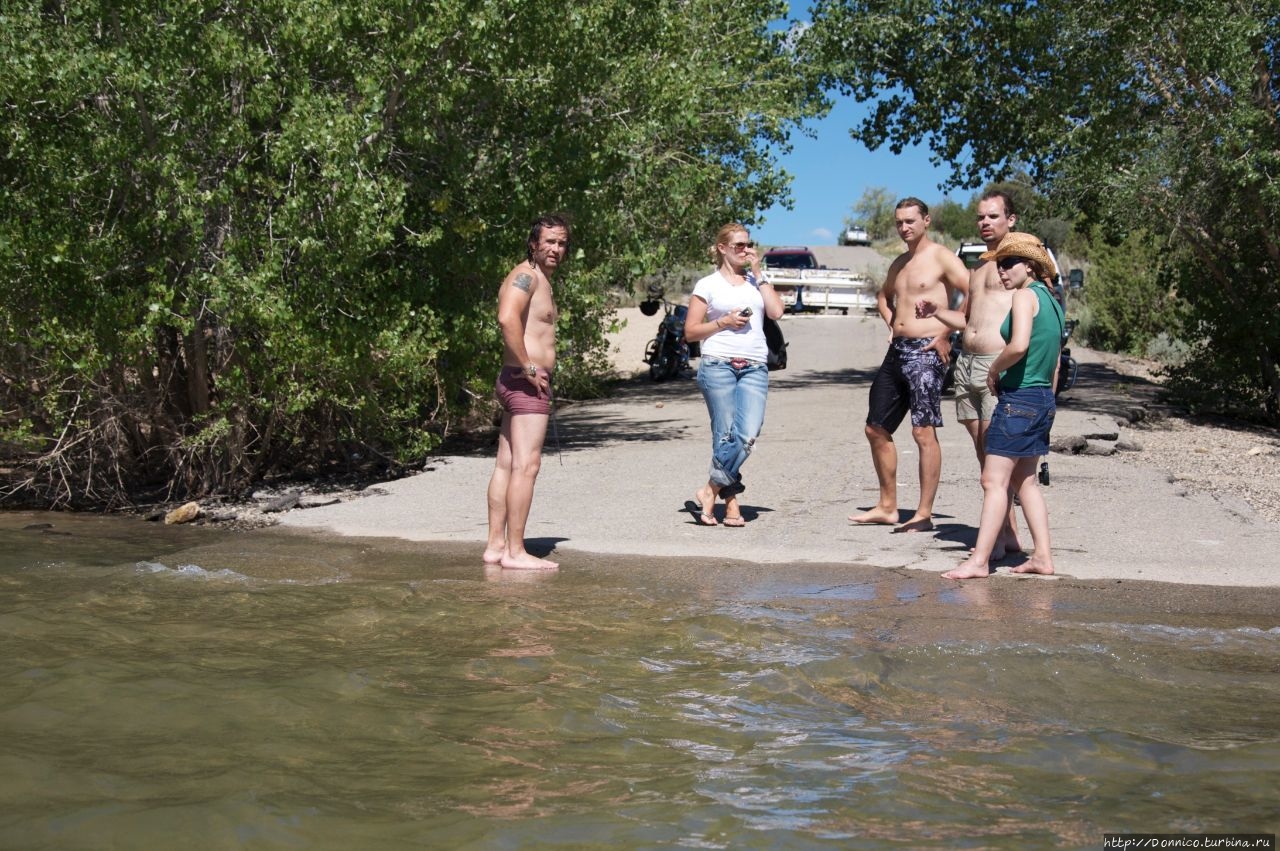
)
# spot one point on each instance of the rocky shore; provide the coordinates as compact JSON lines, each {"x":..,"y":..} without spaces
{"x":1235,"y":462}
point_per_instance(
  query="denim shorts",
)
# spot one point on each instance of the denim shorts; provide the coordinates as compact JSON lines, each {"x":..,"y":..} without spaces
{"x":1020,"y":427}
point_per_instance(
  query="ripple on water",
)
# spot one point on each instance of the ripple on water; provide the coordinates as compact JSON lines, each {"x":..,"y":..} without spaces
{"x":343,"y":697}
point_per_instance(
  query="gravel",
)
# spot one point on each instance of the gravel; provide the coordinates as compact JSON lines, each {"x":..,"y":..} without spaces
{"x":1230,"y":460}
{"x":1224,"y":459}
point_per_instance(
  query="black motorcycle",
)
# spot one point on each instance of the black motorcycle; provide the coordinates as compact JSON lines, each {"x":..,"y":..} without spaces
{"x":1067,"y":370}
{"x":1067,"y":366}
{"x":668,"y":353}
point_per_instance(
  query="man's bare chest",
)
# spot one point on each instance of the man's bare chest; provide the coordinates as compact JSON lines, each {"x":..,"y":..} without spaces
{"x":542,"y":306}
{"x":912,"y":286}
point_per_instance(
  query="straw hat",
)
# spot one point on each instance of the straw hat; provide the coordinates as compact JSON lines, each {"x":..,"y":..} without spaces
{"x":1025,"y":245}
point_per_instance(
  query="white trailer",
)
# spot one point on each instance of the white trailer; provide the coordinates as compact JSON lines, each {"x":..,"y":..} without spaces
{"x":805,"y":285}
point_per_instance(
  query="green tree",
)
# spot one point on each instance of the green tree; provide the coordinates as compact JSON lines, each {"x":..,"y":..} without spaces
{"x":1157,"y":114}
{"x":250,"y":238}
{"x":874,"y":211}
{"x":958,"y":221}
{"x":1130,"y":296}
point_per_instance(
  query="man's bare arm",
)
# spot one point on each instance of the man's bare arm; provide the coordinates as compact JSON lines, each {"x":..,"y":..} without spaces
{"x":523,"y":281}
{"x":967,"y":307}
{"x":513,"y":311}
{"x":953,"y":319}
{"x":955,"y":277}
{"x":886,"y":303}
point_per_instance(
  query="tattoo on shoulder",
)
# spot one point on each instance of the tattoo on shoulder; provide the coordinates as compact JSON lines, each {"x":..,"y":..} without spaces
{"x":523,"y":281}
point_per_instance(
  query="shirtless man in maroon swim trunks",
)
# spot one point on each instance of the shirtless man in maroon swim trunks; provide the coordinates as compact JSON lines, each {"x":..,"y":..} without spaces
{"x":527,"y":316}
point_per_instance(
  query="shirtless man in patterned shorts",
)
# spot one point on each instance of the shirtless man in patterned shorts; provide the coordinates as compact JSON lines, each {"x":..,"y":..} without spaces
{"x":911,"y":376}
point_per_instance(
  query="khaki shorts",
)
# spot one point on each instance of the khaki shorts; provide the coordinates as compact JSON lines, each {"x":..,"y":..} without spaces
{"x":973,"y":400}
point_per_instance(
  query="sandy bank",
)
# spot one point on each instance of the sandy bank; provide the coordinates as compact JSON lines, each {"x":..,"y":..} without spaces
{"x":623,"y":479}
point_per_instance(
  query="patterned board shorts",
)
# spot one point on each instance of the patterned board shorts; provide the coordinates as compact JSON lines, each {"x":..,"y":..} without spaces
{"x":909,"y":380}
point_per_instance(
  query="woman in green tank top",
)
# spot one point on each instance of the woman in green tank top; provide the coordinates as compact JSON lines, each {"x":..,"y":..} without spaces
{"x":1022,"y":376}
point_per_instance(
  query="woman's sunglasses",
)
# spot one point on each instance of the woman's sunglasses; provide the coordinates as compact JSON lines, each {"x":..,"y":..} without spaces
{"x":1007,"y":263}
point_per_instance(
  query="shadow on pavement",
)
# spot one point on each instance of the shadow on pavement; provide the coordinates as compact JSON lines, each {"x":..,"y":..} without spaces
{"x":1101,"y":389}
{"x":582,"y":425}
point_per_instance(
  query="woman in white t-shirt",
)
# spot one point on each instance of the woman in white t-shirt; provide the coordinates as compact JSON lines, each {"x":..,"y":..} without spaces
{"x":726,"y":312}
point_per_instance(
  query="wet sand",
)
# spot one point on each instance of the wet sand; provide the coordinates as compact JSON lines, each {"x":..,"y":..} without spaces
{"x":621,"y":482}
{"x":276,"y":554}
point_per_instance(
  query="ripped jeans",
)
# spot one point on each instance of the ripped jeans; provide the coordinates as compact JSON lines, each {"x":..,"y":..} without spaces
{"x":735,"y":399}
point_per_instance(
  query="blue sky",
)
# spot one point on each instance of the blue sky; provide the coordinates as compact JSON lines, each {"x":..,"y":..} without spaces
{"x":830,"y":172}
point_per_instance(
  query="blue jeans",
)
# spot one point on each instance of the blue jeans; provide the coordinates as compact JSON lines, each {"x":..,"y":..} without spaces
{"x":735,"y":399}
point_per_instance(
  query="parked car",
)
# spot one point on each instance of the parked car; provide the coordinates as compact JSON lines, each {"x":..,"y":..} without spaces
{"x":790,"y":257}
{"x":856,"y":235}
{"x":970,"y":253}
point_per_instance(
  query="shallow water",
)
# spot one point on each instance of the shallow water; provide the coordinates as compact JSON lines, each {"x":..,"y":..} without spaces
{"x":266,"y":690}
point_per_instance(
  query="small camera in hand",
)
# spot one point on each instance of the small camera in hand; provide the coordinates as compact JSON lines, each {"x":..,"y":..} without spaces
{"x":745,"y":312}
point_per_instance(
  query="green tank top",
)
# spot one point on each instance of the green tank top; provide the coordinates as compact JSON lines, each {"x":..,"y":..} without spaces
{"x":1037,"y":365}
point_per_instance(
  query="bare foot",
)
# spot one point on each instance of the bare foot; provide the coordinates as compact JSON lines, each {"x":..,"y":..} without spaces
{"x":1002,"y":548}
{"x":916,"y":524}
{"x":969,"y":569}
{"x":493,"y":555}
{"x":706,"y":499}
{"x":527,"y":561}
{"x":733,"y":513}
{"x":1035,"y":564}
{"x":495,"y":573}
{"x":876,"y":517}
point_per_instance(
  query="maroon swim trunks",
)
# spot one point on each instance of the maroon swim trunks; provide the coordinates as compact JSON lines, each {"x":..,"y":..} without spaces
{"x":519,"y":395}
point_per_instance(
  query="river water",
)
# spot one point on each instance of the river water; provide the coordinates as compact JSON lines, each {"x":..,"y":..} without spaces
{"x":165,"y":686}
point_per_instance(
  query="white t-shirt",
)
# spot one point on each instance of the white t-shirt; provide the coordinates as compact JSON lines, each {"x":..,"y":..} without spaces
{"x":723,"y":297}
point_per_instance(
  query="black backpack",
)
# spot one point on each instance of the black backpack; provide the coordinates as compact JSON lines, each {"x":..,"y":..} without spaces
{"x":777,"y":344}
